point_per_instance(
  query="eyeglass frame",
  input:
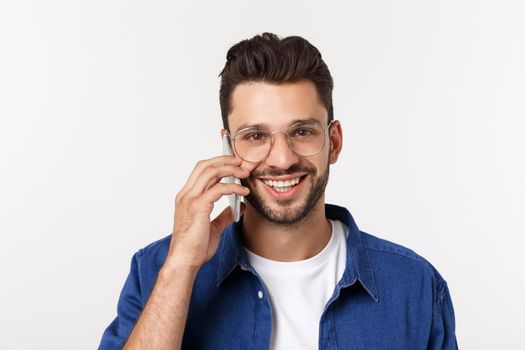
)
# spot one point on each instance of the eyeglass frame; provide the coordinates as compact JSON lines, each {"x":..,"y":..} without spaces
{"x":232,"y":139}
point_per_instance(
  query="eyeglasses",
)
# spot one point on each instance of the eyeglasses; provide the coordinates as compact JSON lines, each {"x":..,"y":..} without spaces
{"x":306,"y":139}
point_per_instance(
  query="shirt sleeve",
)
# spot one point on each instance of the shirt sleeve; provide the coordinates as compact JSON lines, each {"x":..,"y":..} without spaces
{"x":129,"y":307}
{"x":443,"y":331}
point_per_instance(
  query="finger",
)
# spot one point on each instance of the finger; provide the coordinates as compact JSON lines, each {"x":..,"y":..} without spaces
{"x":249,"y":166}
{"x":213,"y":175}
{"x":222,"y":189}
{"x":204,"y":164}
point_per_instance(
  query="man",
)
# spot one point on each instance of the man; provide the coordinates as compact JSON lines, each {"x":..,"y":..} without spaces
{"x":294,"y":272}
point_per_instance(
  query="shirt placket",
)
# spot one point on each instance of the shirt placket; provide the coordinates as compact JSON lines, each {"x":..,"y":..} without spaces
{"x":327,"y":335}
{"x":263,"y":328}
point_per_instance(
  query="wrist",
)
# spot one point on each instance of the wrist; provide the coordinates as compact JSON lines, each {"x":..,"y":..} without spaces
{"x":176,"y":266}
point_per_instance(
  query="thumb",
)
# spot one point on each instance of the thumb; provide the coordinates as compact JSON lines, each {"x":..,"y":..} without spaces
{"x":222,"y":220}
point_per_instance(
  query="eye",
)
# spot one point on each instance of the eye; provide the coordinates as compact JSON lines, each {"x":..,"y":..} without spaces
{"x":302,"y":132}
{"x":255,"y":137}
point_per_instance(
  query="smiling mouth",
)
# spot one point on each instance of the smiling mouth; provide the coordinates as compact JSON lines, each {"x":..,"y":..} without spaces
{"x":283,"y":185}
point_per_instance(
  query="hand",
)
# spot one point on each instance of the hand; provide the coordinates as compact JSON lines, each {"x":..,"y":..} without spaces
{"x":195,"y":239}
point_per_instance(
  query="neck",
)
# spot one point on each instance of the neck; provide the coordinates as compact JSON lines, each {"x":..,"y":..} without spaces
{"x":286,"y":242}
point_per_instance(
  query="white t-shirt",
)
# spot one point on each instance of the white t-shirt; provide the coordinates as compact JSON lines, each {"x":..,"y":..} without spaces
{"x":299,"y":291}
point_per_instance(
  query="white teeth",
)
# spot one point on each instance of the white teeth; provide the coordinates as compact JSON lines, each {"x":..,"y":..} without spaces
{"x":282,"y":189}
{"x":282,"y":185}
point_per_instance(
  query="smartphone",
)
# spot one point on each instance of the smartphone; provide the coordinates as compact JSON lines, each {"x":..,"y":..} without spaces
{"x":235,"y":199}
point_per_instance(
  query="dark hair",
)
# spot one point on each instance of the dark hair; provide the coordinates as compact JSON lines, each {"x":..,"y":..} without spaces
{"x":268,"y":58}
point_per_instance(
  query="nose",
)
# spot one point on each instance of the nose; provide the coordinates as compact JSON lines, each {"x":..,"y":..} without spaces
{"x":281,"y":156}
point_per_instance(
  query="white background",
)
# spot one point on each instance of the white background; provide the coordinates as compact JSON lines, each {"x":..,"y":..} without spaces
{"x":105,"y":106}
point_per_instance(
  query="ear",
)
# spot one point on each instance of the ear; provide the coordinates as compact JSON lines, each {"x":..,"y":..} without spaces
{"x":223,"y":132}
{"x":336,"y":141}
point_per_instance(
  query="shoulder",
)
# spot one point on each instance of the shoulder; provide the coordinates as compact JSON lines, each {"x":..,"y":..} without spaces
{"x":154,"y":251}
{"x":149,"y":260}
{"x":401,"y":273}
{"x":156,"y":248}
{"x":390,"y":257}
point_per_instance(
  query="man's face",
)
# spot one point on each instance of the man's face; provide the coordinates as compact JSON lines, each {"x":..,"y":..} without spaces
{"x":274,"y":108}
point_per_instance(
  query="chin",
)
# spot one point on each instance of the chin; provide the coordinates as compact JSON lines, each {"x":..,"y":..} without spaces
{"x":289,"y":212}
{"x":283,"y":215}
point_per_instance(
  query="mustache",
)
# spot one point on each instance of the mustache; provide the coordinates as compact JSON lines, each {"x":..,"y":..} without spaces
{"x":296,"y":168}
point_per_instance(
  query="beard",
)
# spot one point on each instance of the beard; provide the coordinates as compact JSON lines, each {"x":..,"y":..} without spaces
{"x":286,"y":214}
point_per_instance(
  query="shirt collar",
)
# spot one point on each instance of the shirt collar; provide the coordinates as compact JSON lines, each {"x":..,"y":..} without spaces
{"x":358,"y":264}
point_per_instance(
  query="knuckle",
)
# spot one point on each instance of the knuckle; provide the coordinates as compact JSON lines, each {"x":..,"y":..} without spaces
{"x":213,"y":171}
{"x":178,"y":198}
{"x":199,"y":164}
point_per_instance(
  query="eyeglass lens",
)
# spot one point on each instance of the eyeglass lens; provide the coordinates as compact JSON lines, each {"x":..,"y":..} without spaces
{"x":305,"y":139}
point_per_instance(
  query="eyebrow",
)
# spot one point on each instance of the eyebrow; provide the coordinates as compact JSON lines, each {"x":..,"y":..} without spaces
{"x":264,"y":126}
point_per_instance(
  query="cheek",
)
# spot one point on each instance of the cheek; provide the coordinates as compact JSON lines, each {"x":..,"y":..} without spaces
{"x":320,"y":163}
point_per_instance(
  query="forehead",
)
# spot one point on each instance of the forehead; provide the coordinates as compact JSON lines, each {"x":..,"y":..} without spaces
{"x":275,"y":105}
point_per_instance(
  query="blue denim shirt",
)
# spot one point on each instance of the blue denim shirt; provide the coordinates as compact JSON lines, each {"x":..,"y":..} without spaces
{"x":388,"y":298}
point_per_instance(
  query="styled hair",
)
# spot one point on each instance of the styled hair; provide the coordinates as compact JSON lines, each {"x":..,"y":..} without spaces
{"x":268,"y":58}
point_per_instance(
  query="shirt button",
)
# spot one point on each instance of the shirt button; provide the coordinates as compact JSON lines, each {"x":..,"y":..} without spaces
{"x":260,"y":294}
